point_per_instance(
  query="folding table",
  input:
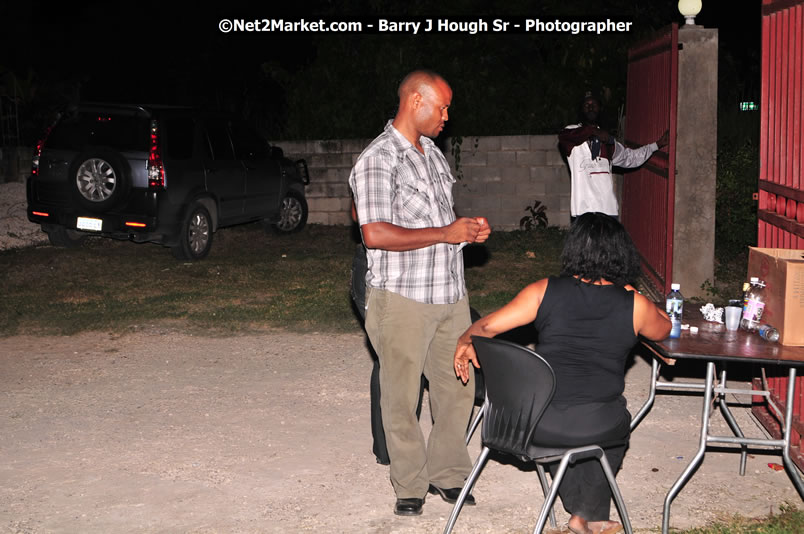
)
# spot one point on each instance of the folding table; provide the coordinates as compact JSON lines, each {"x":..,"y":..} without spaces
{"x":714,"y":344}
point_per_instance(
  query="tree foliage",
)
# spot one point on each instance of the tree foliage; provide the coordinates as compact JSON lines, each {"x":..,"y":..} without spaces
{"x":503,"y":83}
{"x":737,"y":174}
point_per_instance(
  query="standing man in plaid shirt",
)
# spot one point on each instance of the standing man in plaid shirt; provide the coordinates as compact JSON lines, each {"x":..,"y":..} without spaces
{"x":416,"y":305}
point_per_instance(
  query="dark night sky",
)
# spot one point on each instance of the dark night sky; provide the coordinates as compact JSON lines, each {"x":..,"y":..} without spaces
{"x":159,"y":51}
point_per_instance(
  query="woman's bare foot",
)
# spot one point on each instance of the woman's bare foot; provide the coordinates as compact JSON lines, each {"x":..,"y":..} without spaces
{"x":578,"y":525}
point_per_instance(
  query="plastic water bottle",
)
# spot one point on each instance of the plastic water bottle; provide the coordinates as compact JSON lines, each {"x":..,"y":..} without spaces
{"x":769,"y":333}
{"x":754,"y":306}
{"x":674,"y":305}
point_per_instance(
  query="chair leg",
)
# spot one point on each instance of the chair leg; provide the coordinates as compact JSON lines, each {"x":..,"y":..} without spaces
{"x":545,"y":490}
{"x":570,"y":457}
{"x":615,"y":491}
{"x":467,"y":488}
{"x":550,"y":498}
{"x":474,"y":423}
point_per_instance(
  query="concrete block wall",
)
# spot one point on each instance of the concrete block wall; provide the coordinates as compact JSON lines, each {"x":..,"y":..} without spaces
{"x":502,"y":175}
{"x":498,"y":177}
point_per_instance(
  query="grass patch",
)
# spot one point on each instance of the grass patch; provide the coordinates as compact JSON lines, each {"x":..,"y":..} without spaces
{"x":789,"y":521}
{"x":251,"y":280}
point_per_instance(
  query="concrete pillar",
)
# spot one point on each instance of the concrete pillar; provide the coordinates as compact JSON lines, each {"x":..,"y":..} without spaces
{"x":696,"y":160}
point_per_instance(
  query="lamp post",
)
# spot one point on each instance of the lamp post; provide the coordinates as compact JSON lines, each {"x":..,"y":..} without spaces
{"x":689,"y":8}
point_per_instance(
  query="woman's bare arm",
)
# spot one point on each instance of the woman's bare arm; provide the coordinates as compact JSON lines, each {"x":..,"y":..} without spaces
{"x":650,"y":321}
{"x":520,"y":311}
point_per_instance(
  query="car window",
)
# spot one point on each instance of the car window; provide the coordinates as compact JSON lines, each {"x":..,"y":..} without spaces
{"x":180,"y":137}
{"x":121,"y":132}
{"x":248,"y":143}
{"x":220,"y":146}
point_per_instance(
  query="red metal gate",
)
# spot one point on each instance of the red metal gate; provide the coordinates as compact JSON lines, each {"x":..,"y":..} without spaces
{"x":649,"y":192}
{"x":781,"y":157}
{"x":781,"y":167}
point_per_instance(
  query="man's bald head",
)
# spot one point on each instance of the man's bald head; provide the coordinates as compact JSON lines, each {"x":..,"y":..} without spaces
{"x":419,"y":81}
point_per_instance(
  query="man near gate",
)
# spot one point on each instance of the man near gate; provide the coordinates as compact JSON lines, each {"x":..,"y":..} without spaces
{"x":591,"y":153}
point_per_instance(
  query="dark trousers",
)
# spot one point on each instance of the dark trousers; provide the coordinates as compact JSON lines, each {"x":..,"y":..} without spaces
{"x":358,"y":293}
{"x":615,"y":217}
{"x":585,"y":491}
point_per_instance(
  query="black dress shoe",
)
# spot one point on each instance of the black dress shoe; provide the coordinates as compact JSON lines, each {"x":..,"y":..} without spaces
{"x":451,"y":495}
{"x":408,"y":506}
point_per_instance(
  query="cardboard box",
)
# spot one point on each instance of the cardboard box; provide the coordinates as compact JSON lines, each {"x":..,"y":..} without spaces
{"x":783,"y":272}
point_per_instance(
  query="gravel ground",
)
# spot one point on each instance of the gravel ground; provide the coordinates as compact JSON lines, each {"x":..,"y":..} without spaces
{"x":156,"y":430}
{"x":15,"y":229}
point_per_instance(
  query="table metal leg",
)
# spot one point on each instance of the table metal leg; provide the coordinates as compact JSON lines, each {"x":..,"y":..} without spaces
{"x":654,"y":375}
{"x":789,"y":466}
{"x":724,"y":409}
{"x":696,"y":460}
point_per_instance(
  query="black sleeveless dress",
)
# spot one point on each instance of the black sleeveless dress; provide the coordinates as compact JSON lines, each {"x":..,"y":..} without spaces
{"x":586,"y":332}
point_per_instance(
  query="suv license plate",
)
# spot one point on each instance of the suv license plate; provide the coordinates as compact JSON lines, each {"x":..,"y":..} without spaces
{"x":88,"y":223}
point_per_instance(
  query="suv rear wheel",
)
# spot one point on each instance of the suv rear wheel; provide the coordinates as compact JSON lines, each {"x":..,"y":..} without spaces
{"x":292,"y":214}
{"x":99,"y":179}
{"x":195,"y":239}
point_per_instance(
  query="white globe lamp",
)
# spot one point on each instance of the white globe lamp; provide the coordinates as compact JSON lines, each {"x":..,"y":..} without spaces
{"x":689,"y":8}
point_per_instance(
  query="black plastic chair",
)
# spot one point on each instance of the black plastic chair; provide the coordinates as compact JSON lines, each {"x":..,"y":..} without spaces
{"x":519,"y":386}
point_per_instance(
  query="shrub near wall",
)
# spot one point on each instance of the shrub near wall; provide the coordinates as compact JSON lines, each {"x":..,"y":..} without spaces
{"x":498,"y":177}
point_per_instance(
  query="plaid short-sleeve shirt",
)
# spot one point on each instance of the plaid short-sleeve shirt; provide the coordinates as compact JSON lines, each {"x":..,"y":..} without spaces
{"x":392,"y":182}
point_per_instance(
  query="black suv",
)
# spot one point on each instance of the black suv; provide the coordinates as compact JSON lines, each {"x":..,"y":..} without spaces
{"x":160,"y":174}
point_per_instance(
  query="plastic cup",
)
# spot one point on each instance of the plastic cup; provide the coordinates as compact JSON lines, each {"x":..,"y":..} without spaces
{"x":733,"y":317}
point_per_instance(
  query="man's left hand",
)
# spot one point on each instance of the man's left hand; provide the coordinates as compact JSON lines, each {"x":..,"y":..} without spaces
{"x":603,"y":135}
{"x":468,"y":230}
{"x":484,"y":231}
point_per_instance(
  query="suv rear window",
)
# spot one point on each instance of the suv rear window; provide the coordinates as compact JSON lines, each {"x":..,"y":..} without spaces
{"x":121,"y":132}
{"x":220,"y":146}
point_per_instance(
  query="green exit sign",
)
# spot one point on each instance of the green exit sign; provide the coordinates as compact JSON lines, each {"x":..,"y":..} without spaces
{"x":748,"y":106}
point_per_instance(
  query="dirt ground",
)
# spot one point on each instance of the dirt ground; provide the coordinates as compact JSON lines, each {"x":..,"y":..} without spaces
{"x":158,"y":430}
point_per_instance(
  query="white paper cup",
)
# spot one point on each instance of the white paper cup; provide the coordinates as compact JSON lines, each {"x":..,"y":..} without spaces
{"x":733,"y":317}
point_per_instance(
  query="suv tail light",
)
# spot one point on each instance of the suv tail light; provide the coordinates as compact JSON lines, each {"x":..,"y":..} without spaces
{"x":156,"y":171}
{"x":38,"y":151}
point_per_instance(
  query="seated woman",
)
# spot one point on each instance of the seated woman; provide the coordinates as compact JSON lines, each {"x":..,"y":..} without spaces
{"x":588,"y":319}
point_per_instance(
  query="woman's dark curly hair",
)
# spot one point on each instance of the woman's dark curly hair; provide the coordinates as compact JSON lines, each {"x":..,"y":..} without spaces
{"x":598,"y":247}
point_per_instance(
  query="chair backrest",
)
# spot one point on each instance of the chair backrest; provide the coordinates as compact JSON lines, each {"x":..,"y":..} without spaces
{"x":519,"y":386}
